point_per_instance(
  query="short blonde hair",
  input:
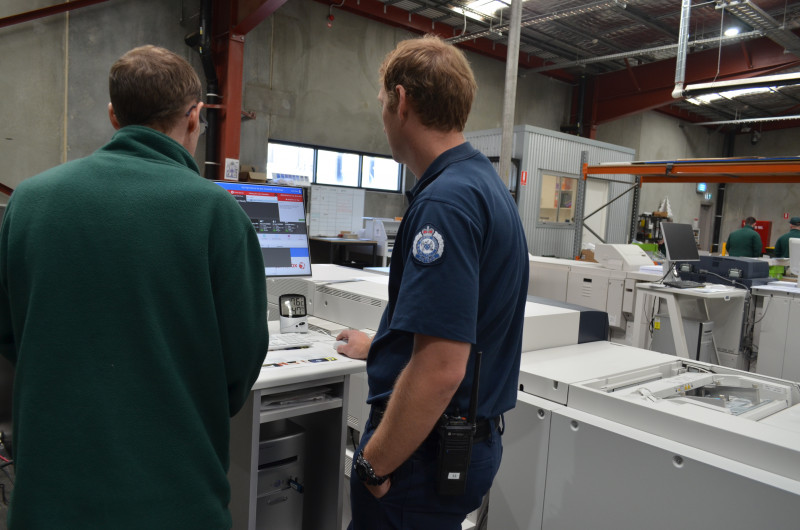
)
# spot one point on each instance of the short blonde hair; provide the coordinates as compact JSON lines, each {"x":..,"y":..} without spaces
{"x":437,"y":79}
{"x":152,"y":86}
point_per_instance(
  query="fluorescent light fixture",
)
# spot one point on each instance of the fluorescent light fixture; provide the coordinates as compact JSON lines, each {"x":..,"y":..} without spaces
{"x":732,"y":31}
{"x":705,"y":99}
{"x":484,"y":7}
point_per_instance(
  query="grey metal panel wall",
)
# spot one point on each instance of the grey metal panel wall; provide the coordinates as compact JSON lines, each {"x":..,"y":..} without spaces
{"x":554,"y":152}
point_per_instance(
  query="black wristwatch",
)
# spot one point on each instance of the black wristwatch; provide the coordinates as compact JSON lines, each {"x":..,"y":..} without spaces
{"x":365,"y":472}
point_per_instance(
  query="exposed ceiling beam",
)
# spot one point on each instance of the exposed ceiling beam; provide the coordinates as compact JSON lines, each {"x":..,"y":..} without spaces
{"x":617,"y":96}
{"x":636,"y":15}
{"x":46,"y":12}
{"x":393,"y":16}
{"x":253,"y":12}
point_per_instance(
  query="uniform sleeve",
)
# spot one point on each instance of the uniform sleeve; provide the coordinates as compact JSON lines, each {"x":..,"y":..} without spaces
{"x":241,"y":304}
{"x":438,"y":294}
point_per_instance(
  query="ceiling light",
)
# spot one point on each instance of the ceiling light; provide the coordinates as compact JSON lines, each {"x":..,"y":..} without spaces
{"x":705,"y":99}
{"x":480,"y":9}
{"x":732,"y":31}
{"x":487,"y":7}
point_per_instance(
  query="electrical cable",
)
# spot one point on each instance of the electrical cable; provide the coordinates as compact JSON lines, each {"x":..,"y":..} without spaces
{"x":766,"y":308}
{"x":719,"y":55}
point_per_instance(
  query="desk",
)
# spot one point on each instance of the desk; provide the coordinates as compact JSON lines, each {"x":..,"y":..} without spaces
{"x":329,"y":249}
{"x":724,"y":307}
{"x":325,"y":425}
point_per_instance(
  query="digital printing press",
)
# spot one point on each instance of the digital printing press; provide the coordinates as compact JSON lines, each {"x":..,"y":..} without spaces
{"x":608,"y":285}
{"x":608,"y":436}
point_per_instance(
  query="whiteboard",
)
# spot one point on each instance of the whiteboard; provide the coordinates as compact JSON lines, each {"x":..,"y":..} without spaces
{"x":335,"y":209}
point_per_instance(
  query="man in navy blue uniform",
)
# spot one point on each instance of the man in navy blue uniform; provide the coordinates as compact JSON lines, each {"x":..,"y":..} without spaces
{"x":457,"y":286}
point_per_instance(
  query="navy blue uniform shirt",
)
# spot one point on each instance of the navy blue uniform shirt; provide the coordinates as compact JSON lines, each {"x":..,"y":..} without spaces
{"x":459,"y":271}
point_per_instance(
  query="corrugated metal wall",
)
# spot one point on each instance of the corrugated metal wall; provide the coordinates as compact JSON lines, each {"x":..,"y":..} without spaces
{"x":551,"y":152}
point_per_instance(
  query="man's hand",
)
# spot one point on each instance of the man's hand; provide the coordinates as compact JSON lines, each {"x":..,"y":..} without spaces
{"x":380,"y":491}
{"x":357,"y":346}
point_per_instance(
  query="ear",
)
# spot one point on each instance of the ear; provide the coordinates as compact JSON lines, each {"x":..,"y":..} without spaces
{"x":194,"y":118}
{"x":113,"y":117}
{"x":402,"y":102}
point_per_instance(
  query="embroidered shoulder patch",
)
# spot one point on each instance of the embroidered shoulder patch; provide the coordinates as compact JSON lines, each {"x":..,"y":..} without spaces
{"x":428,"y":245}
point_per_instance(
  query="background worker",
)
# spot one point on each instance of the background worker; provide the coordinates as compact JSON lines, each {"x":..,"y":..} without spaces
{"x":745,"y":241}
{"x":782,"y":244}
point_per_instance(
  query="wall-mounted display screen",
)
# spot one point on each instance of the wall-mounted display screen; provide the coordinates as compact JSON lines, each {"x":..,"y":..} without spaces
{"x":278,"y":215}
{"x":340,"y":169}
{"x":379,"y":173}
{"x":290,"y":162}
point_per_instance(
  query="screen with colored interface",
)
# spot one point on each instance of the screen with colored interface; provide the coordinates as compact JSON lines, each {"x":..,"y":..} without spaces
{"x":278,"y":215}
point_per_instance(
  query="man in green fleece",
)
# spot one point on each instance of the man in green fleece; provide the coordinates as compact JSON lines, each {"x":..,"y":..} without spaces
{"x":782,"y":244}
{"x":133,"y":306}
{"x":745,"y":241}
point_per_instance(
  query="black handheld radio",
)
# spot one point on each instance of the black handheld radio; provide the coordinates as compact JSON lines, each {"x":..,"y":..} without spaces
{"x":455,"y":444}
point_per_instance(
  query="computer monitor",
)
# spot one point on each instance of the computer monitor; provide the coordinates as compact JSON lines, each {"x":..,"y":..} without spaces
{"x":794,"y":257}
{"x":680,"y":245}
{"x":278,"y":215}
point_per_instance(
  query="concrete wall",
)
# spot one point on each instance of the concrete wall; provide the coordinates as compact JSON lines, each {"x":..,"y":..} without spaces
{"x":55,"y":76}
{"x":765,"y":202}
{"x":311,"y":84}
{"x":656,"y":136}
{"x":659,"y":137}
{"x":304,"y":82}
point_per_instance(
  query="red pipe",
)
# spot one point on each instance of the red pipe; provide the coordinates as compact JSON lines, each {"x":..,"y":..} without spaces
{"x":5,"y":189}
{"x":46,"y":12}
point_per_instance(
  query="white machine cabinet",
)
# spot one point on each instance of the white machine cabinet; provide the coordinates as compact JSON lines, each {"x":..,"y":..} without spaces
{"x":778,"y":312}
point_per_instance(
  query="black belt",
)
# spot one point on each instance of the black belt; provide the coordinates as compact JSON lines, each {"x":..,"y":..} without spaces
{"x":483,"y":428}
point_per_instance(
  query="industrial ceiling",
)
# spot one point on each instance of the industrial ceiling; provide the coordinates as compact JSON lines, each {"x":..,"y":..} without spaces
{"x":621,"y":55}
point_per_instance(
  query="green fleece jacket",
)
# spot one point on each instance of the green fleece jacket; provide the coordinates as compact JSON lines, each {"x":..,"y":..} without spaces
{"x":782,"y":244}
{"x":744,"y":242}
{"x":133,"y":306}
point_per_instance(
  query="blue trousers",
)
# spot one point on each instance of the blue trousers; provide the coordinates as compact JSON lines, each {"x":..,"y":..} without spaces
{"x":412,"y":502}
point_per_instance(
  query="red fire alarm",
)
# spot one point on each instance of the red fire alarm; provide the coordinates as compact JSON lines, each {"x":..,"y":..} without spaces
{"x":330,"y":21}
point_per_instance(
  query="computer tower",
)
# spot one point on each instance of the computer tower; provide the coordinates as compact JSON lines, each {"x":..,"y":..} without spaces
{"x":281,"y":454}
{"x":699,"y":338}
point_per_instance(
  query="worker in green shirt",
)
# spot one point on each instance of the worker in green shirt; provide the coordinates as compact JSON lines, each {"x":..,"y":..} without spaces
{"x":782,"y":245}
{"x":745,"y":241}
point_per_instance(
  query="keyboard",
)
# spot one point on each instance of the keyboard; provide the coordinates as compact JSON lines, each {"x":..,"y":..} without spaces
{"x":285,"y":341}
{"x":683,"y":284}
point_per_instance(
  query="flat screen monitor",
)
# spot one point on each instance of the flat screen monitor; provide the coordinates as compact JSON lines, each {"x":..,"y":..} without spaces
{"x":794,"y":257}
{"x":278,"y":215}
{"x":679,"y":242}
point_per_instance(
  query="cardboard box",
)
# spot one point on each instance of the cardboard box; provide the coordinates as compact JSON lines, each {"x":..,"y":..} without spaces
{"x":588,"y":255}
{"x":252,"y":176}
{"x":661,"y":214}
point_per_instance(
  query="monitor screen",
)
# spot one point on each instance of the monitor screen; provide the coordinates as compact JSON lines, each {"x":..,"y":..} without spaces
{"x":278,"y":215}
{"x":679,"y":242}
{"x":794,"y":257}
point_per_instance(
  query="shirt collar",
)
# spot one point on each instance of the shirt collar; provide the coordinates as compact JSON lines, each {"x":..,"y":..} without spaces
{"x":452,"y":155}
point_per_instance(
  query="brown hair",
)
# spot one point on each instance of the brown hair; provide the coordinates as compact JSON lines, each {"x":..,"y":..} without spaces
{"x":152,"y":86}
{"x":437,"y":79}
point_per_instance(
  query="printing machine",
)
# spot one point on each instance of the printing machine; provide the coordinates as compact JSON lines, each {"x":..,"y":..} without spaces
{"x":608,"y":436}
{"x":726,"y":270}
{"x":609,"y":285}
